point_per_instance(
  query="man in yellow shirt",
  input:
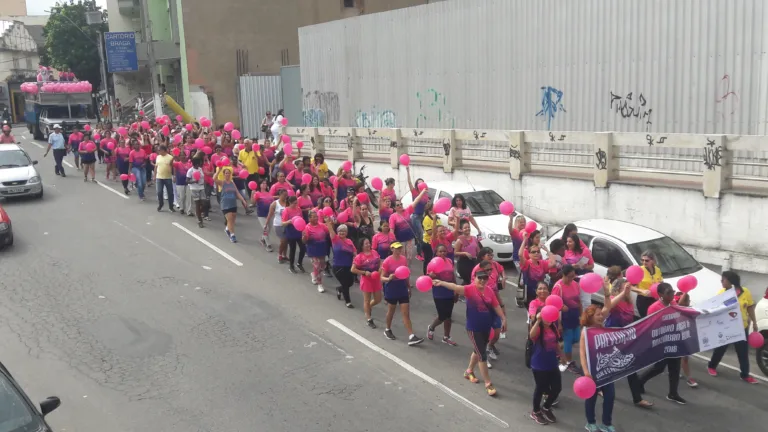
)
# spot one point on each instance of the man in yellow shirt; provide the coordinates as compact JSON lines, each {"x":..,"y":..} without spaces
{"x":164,"y":177}
{"x":250,"y":160}
{"x":731,"y":280}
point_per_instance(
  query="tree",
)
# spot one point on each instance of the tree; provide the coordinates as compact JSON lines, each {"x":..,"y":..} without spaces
{"x":70,"y":43}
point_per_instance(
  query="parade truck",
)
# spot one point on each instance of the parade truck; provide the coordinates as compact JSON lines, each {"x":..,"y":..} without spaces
{"x":43,"y":110}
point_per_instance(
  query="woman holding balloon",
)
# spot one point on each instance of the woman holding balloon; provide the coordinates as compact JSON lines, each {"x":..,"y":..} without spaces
{"x":367,"y":264}
{"x":496,"y":280}
{"x":419,"y":204}
{"x":290,"y":221}
{"x":123,"y":165}
{"x":397,"y":291}
{"x":594,"y":316}
{"x":482,"y":304}
{"x":533,"y":267}
{"x":315,"y":236}
{"x":568,"y":290}
{"x":441,"y":268}
{"x":87,"y":150}
{"x":229,"y":198}
{"x":544,"y":361}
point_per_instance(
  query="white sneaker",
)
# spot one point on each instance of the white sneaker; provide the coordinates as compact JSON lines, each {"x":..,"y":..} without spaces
{"x":489,"y":365}
{"x":314,"y":279}
{"x":320,"y":289}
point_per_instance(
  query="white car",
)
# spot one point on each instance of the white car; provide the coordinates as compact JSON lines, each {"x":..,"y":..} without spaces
{"x":18,"y":174}
{"x":484,"y":204}
{"x":620,"y":243}
{"x":761,"y":313}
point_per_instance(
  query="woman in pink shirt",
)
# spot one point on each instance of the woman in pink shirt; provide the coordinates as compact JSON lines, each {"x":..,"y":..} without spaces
{"x":465,"y":249}
{"x":315,"y":236}
{"x":280,"y":184}
{"x":305,"y":202}
{"x":397,"y":292}
{"x":367,"y":265}
{"x":383,"y":239}
{"x":389,"y":191}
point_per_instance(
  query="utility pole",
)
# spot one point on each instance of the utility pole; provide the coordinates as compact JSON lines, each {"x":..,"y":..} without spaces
{"x":147,"y":24}
{"x":104,"y":74}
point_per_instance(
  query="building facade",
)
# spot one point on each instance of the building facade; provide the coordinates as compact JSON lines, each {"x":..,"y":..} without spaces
{"x":13,"y":7}
{"x":229,"y":38}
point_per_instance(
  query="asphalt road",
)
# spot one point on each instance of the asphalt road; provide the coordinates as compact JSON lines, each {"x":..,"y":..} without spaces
{"x":137,"y":325}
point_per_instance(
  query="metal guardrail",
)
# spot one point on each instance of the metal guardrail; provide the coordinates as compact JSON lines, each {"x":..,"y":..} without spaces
{"x":712,"y":163}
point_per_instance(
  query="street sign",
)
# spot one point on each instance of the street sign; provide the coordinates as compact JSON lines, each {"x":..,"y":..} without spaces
{"x":93,"y":18}
{"x":121,"y":51}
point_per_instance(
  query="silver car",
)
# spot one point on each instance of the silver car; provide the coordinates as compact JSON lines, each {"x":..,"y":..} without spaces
{"x":18,"y":174}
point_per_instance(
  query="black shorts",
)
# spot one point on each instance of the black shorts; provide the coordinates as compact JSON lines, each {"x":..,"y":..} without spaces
{"x":229,"y":210}
{"x":480,"y":343}
{"x":444,"y":308}
{"x":399,"y":300}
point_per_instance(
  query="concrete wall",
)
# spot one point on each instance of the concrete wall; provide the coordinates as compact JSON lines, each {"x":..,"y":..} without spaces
{"x":713,"y":230}
{"x":266,"y":30}
{"x":14,"y":7}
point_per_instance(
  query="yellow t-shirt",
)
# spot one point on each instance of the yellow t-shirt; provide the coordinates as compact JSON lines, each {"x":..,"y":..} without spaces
{"x":428,"y":225}
{"x":745,"y":301}
{"x":164,"y":165}
{"x":250,"y":160}
{"x":649,"y":279}
{"x":322,"y":170}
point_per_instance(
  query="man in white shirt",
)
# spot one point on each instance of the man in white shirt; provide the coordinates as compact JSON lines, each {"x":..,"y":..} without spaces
{"x":57,"y":143}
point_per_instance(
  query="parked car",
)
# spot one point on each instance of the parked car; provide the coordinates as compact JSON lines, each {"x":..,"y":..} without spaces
{"x":620,"y":243}
{"x":761,"y":313}
{"x":6,"y":229}
{"x":17,"y":412}
{"x":18,"y":174}
{"x":484,"y":203}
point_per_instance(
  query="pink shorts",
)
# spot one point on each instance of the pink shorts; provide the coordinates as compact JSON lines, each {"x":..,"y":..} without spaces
{"x":367,"y":285}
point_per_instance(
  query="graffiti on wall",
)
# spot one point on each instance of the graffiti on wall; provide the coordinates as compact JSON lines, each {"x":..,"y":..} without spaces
{"x":727,"y":100}
{"x":433,"y":110}
{"x":632,"y":107}
{"x":551,"y":103}
{"x":321,"y":109}
{"x":713,"y":154}
{"x":375,"y":118}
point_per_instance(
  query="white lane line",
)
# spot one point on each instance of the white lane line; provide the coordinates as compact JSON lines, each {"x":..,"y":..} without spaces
{"x":150,"y":241}
{"x":36,"y":144}
{"x":464,"y":401}
{"x":727,"y":366}
{"x":209,"y":244}
{"x":121,"y":195}
{"x":68,"y":164}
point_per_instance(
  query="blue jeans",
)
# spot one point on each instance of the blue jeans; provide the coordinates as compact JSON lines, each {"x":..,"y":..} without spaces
{"x":609,"y":394}
{"x":168,"y":185}
{"x":418,"y":230}
{"x":141,"y":179}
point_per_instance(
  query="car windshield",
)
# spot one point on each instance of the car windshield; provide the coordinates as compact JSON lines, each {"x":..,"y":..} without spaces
{"x":15,"y":413}
{"x":671,"y":258}
{"x":62,"y":112}
{"x":483,"y":203}
{"x":13,"y":159}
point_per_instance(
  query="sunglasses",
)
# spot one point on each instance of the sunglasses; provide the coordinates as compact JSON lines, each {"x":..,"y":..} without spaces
{"x":535,"y":251}
{"x":482,"y":278}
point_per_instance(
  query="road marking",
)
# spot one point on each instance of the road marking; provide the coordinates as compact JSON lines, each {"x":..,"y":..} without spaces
{"x":121,"y":195}
{"x":36,"y":144}
{"x":207,"y":243}
{"x":150,"y":241}
{"x":68,"y":164}
{"x":727,"y":366}
{"x":464,"y":401}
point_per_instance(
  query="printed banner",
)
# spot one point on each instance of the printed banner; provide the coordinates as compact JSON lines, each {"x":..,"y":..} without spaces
{"x":614,"y":353}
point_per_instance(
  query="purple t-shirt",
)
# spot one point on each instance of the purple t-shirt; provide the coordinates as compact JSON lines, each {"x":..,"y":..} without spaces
{"x":480,"y":308}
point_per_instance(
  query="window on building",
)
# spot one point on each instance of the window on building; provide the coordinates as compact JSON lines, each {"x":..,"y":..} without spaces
{"x":15,"y":63}
{"x":29,"y":63}
{"x":348,"y":3}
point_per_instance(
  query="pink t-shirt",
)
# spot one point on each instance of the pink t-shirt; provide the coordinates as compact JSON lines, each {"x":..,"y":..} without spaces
{"x":123,"y":152}
{"x":391,"y":264}
{"x":569,"y":293}
{"x":386,"y":192}
{"x":658,"y":305}
{"x":137,"y":157}
{"x":381,"y":242}
{"x":572,"y":257}
{"x":534,"y":306}
{"x":316,"y":237}
{"x":469,"y":245}
{"x":291,"y":212}
{"x":493,"y":277}
{"x":305,"y":203}
{"x":536,"y":271}
{"x":274,"y":190}
{"x":368,"y":262}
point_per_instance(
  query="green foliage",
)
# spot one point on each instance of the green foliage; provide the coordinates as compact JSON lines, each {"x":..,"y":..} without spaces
{"x":72,"y":44}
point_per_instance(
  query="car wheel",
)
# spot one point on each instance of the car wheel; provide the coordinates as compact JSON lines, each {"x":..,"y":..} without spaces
{"x":762,"y":356}
{"x":40,"y":195}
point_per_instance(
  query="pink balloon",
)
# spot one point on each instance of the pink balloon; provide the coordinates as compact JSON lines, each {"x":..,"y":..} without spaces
{"x":229,"y":127}
{"x":584,"y":387}
{"x":530,"y":227}
{"x":291,"y":192}
{"x":110,"y":145}
{"x":363,"y":198}
{"x":550,"y":314}
{"x":252,"y":185}
{"x":405,"y":160}
{"x":87,"y":127}
{"x":159,"y":120}
{"x":287,"y":149}
{"x":306,"y":178}
{"x":756,"y":340}
{"x":141,"y":113}
{"x":145,"y":125}
{"x":327,"y":212}
{"x":189,"y":127}
{"x":299,"y":144}
{"x":442,"y":205}
{"x":343,"y":217}
{"x":121,"y":130}
{"x":687,"y":283}
{"x":196,"y":175}
{"x":286,"y":139}
{"x":255,"y":147}
{"x":555,"y":301}
{"x":402,"y":272}
{"x":97,"y":137}
{"x":176,"y":151}
{"x":225,"y":161}
{"x":166,"y":119}
{"x":236,"y":134}
{"x":506,"y":208}
{"x":436,"y":265}
{"x":591,"y":283}
{"x":205,"y":123}
{"x":375,"y":276}
{"x":377,"y":183}
{"x":217,"y":133}
{"x":346,"y":166}
{"x":215,"y":159}
{"x":422,"y":186}
{"x":123,"y":177}
{"x":655,"y":290}
{"x":298,"y":223}
{"x":207,"y":150}
{"x":424,"y":283}
{"x":284,"y":121}
{"x":132,"y":177}
{"x":179,"y":118}
{"x":243,"y":174}
{"x":177,"y":139}
{"x":635,"y":274}
{"x":165,"y":130}
{"x":90,"y":147}
{"x":199,"y":143}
